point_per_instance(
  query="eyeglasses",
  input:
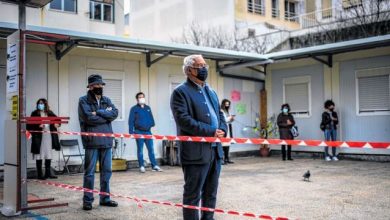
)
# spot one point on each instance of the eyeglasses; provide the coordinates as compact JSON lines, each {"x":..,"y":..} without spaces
{"x":201,"y":66}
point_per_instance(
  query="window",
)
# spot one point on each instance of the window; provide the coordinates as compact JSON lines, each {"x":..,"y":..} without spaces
{"x":275,"y":8}
{"x":102,"y":10}
{"x":64,"y":5}
{"x":347,"y":4}
{"x":256,"y":7}
{"x":296,"y":92}
{"x":327,"y":9}
{"x":113,"y":89}
{"x":373,"y":91}
{"x":290,"y":11}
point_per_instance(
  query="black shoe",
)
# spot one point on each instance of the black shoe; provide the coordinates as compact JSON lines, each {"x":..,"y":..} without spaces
{"x":229,"y":161}
{"x":87,"y":207}
{"x":48,"y":174}
{"x":109,"y":203}
{"x":290,"y":158}
{"x":41,"y":177}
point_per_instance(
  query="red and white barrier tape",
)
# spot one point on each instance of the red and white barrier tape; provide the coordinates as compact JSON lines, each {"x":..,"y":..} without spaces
{"x":308,"y":143}
{"x":156,"y":202}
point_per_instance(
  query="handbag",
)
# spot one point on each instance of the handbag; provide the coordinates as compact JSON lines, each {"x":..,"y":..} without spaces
{"x":294,"y":131}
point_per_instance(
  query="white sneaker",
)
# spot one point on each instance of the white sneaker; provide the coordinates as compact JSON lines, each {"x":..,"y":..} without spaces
{"x":335,"y":159}
{"x":142,"y":169}
{"x":327,"y":159}
{"x":157,"y":168}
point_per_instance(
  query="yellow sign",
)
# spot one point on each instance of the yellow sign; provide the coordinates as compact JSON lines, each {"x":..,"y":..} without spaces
{"x":15,"y":107}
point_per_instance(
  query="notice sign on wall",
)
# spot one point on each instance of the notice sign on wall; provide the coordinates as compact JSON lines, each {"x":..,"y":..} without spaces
{"x":12,"y":62}
{"x":15,"y":107}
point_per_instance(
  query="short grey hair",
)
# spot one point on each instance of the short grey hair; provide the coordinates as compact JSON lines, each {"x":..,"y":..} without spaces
{"x":189,"y":61}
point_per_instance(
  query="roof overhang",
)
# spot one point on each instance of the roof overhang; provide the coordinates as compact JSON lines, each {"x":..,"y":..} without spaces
{"x":332,"y":48}
{"x":54,"y":36}
{"x":29,"y":3}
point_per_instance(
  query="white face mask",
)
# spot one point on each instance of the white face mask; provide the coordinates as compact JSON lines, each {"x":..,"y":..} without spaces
{"x":141,"y":101}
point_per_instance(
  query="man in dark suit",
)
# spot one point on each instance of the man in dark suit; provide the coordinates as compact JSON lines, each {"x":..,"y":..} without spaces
{"x":196,"y":110}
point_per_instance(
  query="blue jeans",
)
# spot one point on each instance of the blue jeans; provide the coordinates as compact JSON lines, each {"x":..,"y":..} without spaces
{"x":105,"y":162}
{"x":140,"y":149}
{"x":330,"y":135}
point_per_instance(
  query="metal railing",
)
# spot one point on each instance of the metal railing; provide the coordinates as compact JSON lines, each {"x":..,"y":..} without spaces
{"x":256,"y":8}
{"x":315,"y":18}
{"x":275,"y":13}
{"x":291,"y":16}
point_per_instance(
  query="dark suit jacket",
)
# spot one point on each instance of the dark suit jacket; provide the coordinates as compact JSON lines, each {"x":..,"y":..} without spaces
{"x":192,"y":118}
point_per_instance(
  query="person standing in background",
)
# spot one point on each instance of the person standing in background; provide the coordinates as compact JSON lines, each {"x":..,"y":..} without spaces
{"x":141,"y":121}
{"x":329,"y":123}
{"x":229,"y":118}
{"x":285,"y":123}
{"x":43,"y":143}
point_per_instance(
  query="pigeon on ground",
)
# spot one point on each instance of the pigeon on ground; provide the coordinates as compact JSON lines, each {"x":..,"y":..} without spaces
{"x":306,"y":176}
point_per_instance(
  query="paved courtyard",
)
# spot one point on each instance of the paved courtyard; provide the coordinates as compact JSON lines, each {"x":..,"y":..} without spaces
{"x":338,"y":190}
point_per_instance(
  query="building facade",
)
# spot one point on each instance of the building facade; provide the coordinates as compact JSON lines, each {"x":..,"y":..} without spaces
{"x":93,"y":16}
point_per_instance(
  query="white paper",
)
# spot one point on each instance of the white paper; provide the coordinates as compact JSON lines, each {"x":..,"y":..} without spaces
{"x":12,"y":63}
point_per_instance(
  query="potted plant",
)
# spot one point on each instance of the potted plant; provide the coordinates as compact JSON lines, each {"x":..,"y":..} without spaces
{"x":267,"y":130}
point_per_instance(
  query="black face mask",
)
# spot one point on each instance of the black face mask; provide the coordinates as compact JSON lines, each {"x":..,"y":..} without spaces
{"x":202,"y":74}
{"x":97,"y":91}
{"x":227,"y":107}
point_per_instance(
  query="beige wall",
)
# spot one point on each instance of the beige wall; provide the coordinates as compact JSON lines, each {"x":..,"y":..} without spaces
{"x":242,"y":14}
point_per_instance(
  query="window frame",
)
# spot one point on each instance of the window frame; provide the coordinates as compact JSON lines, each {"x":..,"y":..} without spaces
{"x":254,"y":10}
{"x":347,"y":5}
{"x":112,"y":75}
{"x":299,"y":80}
{"x":288,"y":13}
{"x":91,"y":12}
{"x":360,"y":74}
{"x":63,"y":7}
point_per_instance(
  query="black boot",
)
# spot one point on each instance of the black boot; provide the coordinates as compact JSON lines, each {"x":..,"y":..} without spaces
{"x":48,"y":174}
{"x":289,"y":153}
{"x":39,"y":170}
{"x":283,"y":152}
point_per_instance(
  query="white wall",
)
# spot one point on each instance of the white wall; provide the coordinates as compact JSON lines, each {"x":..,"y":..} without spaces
{"x":357,"y":127}
{"x":36,"y":87}
{"x":72,"y":21}
{"x":250,"y":97}
{"x":163,"y":20}
{"x":77,"y":78}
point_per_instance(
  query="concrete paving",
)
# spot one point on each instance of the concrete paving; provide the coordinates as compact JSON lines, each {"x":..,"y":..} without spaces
{"x":338,"y":190}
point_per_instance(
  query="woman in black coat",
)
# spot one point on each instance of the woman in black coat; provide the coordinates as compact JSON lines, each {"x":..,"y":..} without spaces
{"x":43,"y":143}
{"x":285,"y":123}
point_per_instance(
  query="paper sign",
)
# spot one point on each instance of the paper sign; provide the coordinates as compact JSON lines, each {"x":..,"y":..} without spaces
{"x":15,"y":107}
{"x":241,"y":109}
{"x":12,"y":84}
{"x":235,"y":96}
{"x":12,"y":62}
